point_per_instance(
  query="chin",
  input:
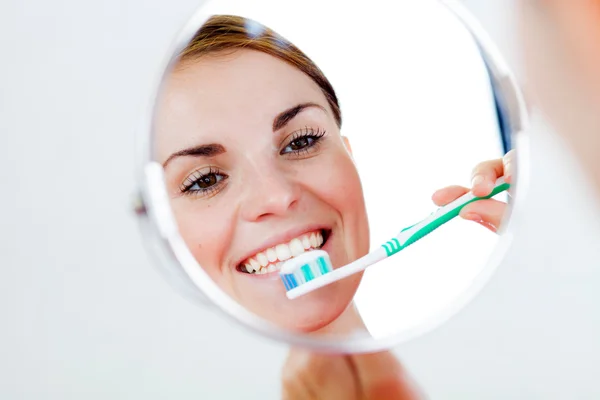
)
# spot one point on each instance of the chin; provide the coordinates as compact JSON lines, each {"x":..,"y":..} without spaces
{"x":315,"y":311}
{"x":264,"y":295}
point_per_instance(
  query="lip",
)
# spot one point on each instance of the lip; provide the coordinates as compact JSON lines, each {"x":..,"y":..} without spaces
{"x":271,"y":276}
{"x":283,"y":238}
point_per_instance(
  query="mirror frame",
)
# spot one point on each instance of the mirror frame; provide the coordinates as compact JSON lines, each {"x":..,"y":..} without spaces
{"x":163,"y":242}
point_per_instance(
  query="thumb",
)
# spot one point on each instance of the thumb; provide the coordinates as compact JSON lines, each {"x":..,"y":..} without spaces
{"x":489,"y":213}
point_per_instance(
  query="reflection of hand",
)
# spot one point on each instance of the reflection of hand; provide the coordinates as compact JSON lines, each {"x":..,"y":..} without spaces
{"x":488,"y":212}
{"x":373,"y":376}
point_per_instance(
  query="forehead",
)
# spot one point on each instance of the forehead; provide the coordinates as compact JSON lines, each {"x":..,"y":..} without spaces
{"x":224,"y":93}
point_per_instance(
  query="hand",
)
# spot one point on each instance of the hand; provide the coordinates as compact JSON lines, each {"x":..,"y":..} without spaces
{"x":375,"y":376}
{"x":487,"y":212}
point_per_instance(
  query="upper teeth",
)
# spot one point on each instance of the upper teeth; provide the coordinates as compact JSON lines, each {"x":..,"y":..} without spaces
{"x":270,"y":260}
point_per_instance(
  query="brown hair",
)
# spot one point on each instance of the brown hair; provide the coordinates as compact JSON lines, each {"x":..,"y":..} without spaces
{"x":229,"y":32}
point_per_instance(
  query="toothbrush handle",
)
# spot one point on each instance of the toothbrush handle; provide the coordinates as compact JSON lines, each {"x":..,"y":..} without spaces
{"x":406,"y":237}
{"x":444,"y":214}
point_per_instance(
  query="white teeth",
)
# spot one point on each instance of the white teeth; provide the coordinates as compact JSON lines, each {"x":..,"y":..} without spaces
{"x":305,"y":242}
{"x":271,"y":260}
{"x":271,"y":255}
{"x":296,"y":247}
{"x":255,"y":265}
{"x":313,"y":240}
{"x":262,"y":259}
{"x":283,"y":252}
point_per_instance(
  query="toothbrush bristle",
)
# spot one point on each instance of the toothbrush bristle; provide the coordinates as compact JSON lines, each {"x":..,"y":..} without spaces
{"x":312,"y":265}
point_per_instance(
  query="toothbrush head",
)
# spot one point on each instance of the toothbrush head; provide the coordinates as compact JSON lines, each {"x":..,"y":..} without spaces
{"x":304,"y":268}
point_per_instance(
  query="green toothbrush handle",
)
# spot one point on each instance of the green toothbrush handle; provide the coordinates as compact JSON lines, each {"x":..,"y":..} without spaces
{"x":445,"y":213}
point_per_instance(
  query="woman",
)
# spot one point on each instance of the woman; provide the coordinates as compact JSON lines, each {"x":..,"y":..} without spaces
{"x":248,"y":132}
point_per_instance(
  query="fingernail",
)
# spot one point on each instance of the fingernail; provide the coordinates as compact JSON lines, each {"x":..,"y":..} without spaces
{"x":473,"y":217}
{"x":508,"y":169}
{"x":477,"y":180}
{"x":490,"y":226}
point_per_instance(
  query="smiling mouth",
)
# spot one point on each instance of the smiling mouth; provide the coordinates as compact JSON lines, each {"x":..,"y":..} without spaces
{"x":271,"y":259}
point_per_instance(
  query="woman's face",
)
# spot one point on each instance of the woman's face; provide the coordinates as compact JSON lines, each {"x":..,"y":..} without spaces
{"x":257,"y":171}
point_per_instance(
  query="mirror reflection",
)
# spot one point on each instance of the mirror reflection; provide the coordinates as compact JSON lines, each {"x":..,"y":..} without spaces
{"x":258,"y":170}
{"x":263,"y":163}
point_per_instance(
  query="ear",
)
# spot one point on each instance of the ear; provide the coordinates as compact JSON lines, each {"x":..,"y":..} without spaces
{"x":347,"y":144}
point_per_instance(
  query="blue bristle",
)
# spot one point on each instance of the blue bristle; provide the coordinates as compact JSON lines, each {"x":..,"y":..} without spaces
{"x":289,"y":281}
{"x":293,"y":282}
{"x":285,"y":279}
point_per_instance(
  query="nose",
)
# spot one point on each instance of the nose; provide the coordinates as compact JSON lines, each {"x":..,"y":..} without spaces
{"x":268,"y":193}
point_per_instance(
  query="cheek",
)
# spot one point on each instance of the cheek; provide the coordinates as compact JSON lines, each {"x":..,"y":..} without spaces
{"x":343,"y":189}
{"x":337,"y":182}
{"x":206,"y":232}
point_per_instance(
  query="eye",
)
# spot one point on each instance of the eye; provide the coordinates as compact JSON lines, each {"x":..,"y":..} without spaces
{"x":203,"y":182}
{"x":303,"y":140}
{"x":300,"y":143}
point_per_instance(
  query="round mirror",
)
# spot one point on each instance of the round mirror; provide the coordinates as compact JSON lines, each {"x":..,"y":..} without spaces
{"x":308,"y":170}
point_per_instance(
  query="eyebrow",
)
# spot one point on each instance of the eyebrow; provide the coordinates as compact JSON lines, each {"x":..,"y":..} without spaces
{"x":282,"y":119}
{"x":214,"y":149}
{"x":204,"y":150}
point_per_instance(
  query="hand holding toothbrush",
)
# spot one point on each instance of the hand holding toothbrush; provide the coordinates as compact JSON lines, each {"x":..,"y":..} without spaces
{"x":313,"y":270}
{"x":488,"y":213}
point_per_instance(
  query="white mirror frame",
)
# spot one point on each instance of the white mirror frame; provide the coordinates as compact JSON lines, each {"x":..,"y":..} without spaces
{"x":161,"y":236}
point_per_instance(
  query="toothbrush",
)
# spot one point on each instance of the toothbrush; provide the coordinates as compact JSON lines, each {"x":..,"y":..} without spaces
{"x":312,"y":270}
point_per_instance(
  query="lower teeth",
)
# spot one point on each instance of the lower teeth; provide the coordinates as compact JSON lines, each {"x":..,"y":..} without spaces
{"x":270,"y":268}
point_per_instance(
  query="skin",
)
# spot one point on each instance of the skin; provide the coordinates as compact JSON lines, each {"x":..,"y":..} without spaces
{"x":267,"y":194}
{"x":560,"y":42}
{"x":354,"y":377}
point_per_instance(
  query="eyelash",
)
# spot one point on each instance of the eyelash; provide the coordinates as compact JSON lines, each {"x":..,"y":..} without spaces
{"x":306,"y":133}
{"x":195,"y":177}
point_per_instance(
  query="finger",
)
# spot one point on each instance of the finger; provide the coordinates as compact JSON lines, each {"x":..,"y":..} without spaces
{"x":448,"y":195}
{"x":508,"y":162}
{"x":484,"y":176}
{"x":381,"y":376}
{"x":488,"y":213}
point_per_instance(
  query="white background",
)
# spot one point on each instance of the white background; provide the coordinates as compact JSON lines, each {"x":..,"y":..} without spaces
{"x":84,"y":313}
